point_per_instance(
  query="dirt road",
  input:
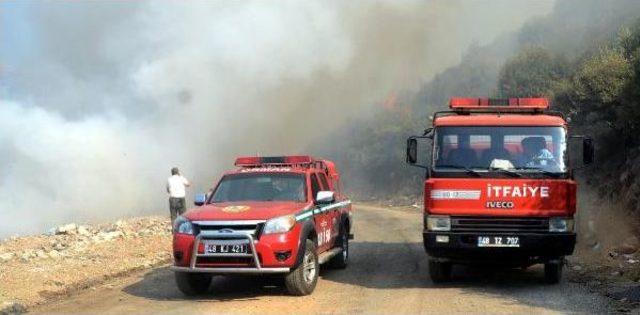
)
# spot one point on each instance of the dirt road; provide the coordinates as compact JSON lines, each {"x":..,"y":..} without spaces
{"x":387,"y":274}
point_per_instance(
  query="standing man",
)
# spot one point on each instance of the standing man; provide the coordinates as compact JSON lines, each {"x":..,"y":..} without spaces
{"x":176,"y":187}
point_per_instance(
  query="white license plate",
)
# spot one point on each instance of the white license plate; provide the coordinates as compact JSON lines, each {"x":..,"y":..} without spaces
{"x":213,"y":248}
{"x":498,"y":241}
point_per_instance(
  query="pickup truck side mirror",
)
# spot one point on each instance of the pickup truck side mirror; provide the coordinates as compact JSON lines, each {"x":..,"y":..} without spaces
{"x":200,"y":199}
{"x":588,"y":151}
{"x":325,"y":197}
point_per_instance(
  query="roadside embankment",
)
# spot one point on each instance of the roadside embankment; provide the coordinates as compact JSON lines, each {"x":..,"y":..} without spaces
{"x":40,"y":268}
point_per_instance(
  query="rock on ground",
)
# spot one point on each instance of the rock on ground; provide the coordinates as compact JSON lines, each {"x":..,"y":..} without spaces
{"x":6,"y":257}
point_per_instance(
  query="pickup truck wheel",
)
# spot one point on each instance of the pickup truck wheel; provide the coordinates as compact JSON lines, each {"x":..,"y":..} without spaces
{"x":341,"y":260}
{"x":553,"y":271}
{"x":439,"y":271}
{"x":193,"y":283}
{"x":302,"y":280}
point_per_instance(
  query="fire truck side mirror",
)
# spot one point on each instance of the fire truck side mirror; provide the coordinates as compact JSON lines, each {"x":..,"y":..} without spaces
{"x":588,"y":151}
{"x":412,"y":151}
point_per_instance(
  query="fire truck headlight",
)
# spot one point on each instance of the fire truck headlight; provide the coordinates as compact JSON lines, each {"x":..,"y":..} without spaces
{"x":182,"y":226}
{"x":279,"y":224}
{"x":560,"y":225}
{"x":438,"y":223}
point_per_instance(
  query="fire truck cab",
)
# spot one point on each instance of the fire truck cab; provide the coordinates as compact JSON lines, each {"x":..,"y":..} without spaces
{"x":499,"y":186}
{"x":272,"y":215}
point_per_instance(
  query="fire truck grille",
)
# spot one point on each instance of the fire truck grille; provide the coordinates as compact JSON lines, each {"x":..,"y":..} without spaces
{"x":503,"y":224}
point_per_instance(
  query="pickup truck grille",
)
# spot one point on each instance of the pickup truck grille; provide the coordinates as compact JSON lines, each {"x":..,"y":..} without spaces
{"x":499,"y":224}
{"x":251,"y":227}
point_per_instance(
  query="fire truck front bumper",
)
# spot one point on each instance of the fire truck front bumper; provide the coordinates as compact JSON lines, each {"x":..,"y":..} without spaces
{"x":498,"y":247}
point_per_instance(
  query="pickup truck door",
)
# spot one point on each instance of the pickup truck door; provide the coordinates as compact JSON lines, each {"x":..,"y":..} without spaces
{"x":333,"y":214}
{"x":322,"y":219}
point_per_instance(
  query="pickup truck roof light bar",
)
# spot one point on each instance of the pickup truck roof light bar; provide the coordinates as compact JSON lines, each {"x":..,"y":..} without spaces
{"x":264,"y":161}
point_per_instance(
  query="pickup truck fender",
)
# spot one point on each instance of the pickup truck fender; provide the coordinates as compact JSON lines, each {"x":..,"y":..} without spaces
{"x":308,"y":231}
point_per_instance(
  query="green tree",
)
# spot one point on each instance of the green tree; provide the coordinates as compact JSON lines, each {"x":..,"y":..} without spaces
{"x":534,"y":71}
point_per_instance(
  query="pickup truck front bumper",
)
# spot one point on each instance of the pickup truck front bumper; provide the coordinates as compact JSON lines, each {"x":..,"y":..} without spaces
{"x":196,"y":255}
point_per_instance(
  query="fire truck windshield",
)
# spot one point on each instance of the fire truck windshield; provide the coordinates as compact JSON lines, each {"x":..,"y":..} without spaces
{"x":511,"y":150}
{"x":260,"y":187}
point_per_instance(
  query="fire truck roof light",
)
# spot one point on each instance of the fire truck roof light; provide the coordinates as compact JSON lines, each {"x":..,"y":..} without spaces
{"x":476,"y":103}
{"x":273,"y":160}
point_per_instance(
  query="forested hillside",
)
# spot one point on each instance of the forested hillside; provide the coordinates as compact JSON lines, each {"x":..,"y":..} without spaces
{"x":585,"y":56}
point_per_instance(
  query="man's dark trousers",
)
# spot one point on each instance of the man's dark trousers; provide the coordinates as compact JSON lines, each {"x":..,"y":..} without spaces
{"x":177,"y":206}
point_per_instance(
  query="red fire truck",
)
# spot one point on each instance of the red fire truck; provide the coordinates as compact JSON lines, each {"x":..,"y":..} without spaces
{"x":272,"y":215}
{"x":499,"y":185}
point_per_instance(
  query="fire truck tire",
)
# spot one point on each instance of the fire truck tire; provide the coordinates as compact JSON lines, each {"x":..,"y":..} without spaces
{"x":553,"y":271}
{"x":193,"y":283}
{"x":439,"y":271}
{"x":303,"y":279}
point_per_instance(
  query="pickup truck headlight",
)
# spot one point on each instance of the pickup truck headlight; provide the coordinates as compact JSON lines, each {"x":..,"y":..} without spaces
{"x":182,"y":226}
{"x":279,"y":224}
{"x":438,"y":223}
{"x":560,"y":225}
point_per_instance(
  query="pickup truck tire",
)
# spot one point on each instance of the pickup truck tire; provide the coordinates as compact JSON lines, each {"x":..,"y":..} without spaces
{"x":303,"y":279}
{"x":193,"y":283}
{"x":553,"y":271}
{"x":439,"y":271}
{"x":341,"y":260}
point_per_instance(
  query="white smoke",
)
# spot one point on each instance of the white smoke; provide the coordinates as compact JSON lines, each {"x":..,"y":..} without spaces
{"x":110,"y":95}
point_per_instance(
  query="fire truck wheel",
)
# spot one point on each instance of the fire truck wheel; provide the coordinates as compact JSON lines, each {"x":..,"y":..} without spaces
{"x":439,"y":271}
{"x":193,"y":283}
{"x":553,"y":271}
{"x":341,"y":260}
{"x":302,"y":280}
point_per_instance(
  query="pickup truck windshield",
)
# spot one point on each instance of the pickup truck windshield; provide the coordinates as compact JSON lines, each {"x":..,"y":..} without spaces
{"x":512,"y":150}
{"x":261,"y":187}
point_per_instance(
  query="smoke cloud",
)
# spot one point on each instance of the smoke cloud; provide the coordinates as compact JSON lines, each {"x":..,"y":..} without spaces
{"x":99,"y":99}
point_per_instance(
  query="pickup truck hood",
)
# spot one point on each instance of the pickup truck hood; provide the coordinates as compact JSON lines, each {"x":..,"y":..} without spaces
{"x":500,"y":197}
{"x":250,"y":210}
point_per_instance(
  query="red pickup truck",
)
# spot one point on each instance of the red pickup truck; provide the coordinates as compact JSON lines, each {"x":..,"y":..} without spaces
{"x":272,"y":215}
